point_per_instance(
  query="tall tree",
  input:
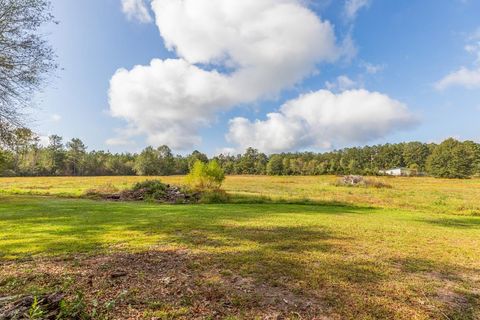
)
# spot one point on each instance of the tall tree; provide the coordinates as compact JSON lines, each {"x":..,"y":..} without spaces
{"x":146,"y":163}
{"x":166,"y":162}
{"x":76,"y":150}
{"x":23,"y":140}
{"x":275,"y":165}
{"x":196,"y":155}
{"x":56,"y":153}
{"x":25,"y":56}
{"x":415,"y":154}
{"x":451,"y":159}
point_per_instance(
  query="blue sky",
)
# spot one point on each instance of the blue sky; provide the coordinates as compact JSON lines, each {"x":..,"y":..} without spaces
{"x":402,"y":50}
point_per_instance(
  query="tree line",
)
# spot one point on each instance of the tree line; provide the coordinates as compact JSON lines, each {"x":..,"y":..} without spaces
{"x":22,"y":154}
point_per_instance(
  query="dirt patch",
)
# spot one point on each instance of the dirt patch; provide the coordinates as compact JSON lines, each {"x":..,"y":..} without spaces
{"x":161,"y":285}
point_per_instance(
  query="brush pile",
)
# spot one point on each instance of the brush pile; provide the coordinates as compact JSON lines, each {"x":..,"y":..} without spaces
{"x":150,"y":190}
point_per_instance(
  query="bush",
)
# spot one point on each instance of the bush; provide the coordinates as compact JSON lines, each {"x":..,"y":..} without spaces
{"x":153,"y":189}
{"x":206,"y":176}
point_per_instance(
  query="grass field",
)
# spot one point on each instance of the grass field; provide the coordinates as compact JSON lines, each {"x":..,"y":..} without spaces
{"x":408,"y":252}
{"x":425,"y":194}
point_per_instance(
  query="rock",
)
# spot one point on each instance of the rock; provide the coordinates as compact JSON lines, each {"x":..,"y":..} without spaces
{"x":352,"y":180}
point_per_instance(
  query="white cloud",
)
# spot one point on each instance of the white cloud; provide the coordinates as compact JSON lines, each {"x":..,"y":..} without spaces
{"x":463,"y":77}
{"x":342,"y":83}
{"x":230,"y":52}
{"x":353,"y":6}
{"x":322,"y":119}
{"x":136,"y":10}
{"x":349,"y":49}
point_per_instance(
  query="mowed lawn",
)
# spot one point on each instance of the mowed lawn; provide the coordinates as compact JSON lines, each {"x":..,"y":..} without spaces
{"x":408,"y":252}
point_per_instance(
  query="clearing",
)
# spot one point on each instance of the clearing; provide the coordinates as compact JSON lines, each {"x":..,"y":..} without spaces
{"x":310,"y":251}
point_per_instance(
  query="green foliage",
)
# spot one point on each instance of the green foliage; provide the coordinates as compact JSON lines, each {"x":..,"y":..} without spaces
{"x":154,"y":189}
{"x":275,"y":165}
{"x":35,"y":311}
{"x":452,"y":159}
{"x":74,"y":309}
{"x":252,"y":162}
{"x":206,"y":176}
{"x":24,"y":156}
{"x":25,"y":57}
{"x":196,"y":156}
{"x":155,"y":162}
{"x":76,"y":151}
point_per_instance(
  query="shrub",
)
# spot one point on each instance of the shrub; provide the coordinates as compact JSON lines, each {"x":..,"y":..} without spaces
{"x":206,"y":176}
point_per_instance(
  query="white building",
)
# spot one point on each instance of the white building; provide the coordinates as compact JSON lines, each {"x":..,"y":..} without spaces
{"x":396,"y":172}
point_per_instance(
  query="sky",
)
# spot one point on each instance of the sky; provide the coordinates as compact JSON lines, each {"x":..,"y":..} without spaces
{"x":276,"y":75}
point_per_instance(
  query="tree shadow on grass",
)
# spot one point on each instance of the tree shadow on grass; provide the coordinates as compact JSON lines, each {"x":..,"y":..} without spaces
{"x":43,"y":225}
{"x":456,"y":223}
{"x":278,"y":245}
{"x":240,"y":198}
{"x":448,"y":288}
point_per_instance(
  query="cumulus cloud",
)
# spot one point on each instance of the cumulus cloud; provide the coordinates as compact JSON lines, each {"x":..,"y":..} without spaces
{"x":353,"y":6}
{"x":136,"y":10}
{"x":322,"y":119}
{"x":463,"y":77}
{"x":229,"y":52}
{"x":168,"y":100}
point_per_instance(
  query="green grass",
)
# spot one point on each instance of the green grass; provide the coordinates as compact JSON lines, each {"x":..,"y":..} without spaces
{"x":459,"y":197}
{"x":362,"y":262}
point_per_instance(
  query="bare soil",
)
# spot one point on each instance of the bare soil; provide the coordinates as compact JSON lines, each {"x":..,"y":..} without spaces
{"x":159,"y":285}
